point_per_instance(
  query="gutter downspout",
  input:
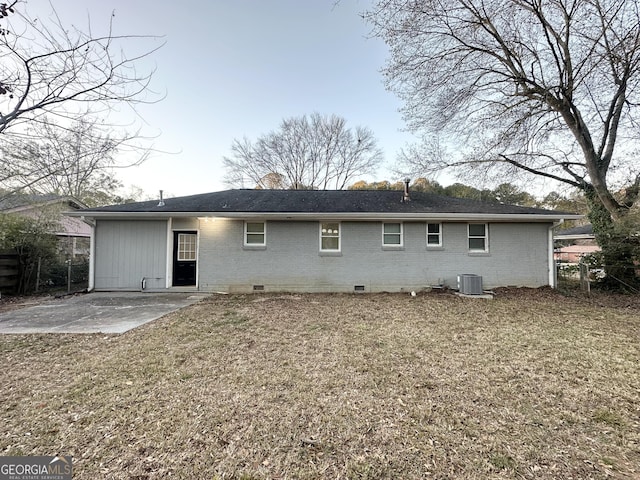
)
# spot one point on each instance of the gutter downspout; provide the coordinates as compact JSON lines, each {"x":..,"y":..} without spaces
{"x":92,"y":254}
{"x":169,"y":264}
{"x":553,"y":274}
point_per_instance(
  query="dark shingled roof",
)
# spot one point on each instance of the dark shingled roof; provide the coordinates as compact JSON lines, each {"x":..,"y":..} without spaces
{"x":583,"y":230}
{"x":320,"y":201}
{"x":18,"y":200}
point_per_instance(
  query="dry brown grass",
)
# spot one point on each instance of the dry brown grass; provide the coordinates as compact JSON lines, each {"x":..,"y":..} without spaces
{"x":529,"y":385}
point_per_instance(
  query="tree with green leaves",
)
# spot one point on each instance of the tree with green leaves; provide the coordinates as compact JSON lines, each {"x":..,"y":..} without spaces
{"x":34,"y":242}
{"x":511,"y":194}
{"x":506,"y":193}
{"x":523,"y":89}
{"x":573,"y":202}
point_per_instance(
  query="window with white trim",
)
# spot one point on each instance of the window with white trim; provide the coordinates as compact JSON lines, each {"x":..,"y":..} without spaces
{"x":255,"y":233}
{"x":478,"y":237}
{"x":330,"y":236}
{"x":392,"y":234}
{"x":434,"y":234}
{"x":187,"y":247}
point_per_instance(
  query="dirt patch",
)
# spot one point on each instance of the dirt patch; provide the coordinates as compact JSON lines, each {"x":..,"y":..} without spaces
{"x":528,"y":385}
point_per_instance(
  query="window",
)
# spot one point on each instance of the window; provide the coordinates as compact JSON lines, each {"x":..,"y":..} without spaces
{"x":330,"y":236}
{"x":187,"y":244}
{"x":478,"y":237}
{"x":255,"y":233}
{"x":392,"y":234}
{"x":434,"y":234}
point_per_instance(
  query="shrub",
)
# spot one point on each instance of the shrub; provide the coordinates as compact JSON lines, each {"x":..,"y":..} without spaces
{"x":33,"y":241}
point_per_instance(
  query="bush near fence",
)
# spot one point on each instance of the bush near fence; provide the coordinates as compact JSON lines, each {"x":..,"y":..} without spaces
{"x":8,"y":270}
{"x":48,"y":275}
{"x":585,"y":275}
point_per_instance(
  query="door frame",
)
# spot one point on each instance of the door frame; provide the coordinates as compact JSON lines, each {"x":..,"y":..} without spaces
{"x":172,"y":254}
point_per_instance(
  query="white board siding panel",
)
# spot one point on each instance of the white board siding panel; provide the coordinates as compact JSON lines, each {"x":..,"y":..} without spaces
{"x":291,"y":260}
{"x":127,"y":252}
{"x":184,"y":224}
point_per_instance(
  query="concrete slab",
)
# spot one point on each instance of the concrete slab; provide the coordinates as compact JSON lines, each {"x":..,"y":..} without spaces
{"x":486,"y":296}
{"x":99,"y":312}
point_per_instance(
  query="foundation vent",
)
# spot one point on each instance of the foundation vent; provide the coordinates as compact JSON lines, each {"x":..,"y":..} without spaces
{"x":258,"y":288}
{"x":358,"y":288}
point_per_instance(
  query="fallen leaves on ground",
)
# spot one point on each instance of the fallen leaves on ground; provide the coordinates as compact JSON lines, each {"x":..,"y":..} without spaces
{"x":528,"y":385}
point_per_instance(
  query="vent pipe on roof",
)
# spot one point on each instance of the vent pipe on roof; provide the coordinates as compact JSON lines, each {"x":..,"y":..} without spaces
{"x":161,"y":202}
{"x":405,"y":195}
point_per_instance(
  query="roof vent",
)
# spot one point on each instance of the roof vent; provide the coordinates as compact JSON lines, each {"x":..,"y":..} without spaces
{"x":405,"y":195}
{"x":161,"y":202}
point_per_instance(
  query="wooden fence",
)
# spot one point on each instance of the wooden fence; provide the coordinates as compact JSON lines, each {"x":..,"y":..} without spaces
{"x":8,"y":270}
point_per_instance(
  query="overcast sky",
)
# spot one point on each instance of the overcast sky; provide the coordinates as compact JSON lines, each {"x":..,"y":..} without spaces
{"x":236,"y":68}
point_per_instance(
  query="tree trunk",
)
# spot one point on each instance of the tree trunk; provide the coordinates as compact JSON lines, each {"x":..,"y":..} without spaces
{"x":619,"y":248}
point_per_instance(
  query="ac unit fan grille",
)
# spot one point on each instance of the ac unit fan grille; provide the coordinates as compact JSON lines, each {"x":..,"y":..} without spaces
{"x":470,"y":284}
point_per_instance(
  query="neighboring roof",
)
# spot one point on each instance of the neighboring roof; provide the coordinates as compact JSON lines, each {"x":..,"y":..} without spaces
{"x":361,"y":204}
{"x":73,"y":227}
{"x":576,"y":233}
{"x":35,"y":205}
{"x":22,"y":201}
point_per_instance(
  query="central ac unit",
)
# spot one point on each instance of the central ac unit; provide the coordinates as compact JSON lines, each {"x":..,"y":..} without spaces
{"x":470,"y":284}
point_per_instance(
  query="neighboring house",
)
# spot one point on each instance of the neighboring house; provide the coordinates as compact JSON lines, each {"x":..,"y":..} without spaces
{"x":574,"y":253}
{"x":74,"y":234}
{"x":574,"y":243}
{"x":318,"y":241}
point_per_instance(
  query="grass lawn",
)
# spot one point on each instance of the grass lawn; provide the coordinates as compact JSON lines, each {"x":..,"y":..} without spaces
{"x":529,"y":385}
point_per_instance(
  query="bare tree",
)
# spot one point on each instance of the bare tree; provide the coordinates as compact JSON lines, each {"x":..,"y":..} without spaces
{"x":315,"y":152}
{"x":50,"y":68}
{"x":79,"y":160}
{"x":536,"y":87}
{"x":51,"y":73}
{"x":57,"y":87}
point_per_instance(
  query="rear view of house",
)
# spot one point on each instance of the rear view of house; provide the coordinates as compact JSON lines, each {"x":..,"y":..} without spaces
{"x":318,"y":241}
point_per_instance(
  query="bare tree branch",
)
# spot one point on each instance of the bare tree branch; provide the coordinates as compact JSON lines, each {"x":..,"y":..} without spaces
{"x":78,"y":160}
{"x":50,"y":69}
